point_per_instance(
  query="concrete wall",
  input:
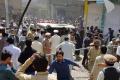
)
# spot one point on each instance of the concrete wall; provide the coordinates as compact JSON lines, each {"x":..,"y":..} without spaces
{"x":94,"y":14}
{"x":14,"y":7}
{"x":17,"y":5}
{"x":72,"y":8}
{"x":2,"y":8}
{"x":48,"y":8}
{"x":113,"y":20}
{"x":37,"y":8}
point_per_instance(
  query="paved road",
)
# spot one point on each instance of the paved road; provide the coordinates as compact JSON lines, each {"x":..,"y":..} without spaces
{"x":80,"y":74}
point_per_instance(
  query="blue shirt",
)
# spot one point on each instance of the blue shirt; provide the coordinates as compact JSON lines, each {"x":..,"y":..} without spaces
{"x":62,"y":69}
{"x":6,"y":73}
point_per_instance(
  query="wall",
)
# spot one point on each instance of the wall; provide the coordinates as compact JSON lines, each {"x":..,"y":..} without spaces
{"x":113,"y":20}
{"x":2,"y":8}
{"x":37,"y":8}
{"x":72,"y":8}
{"x":14,"y":7}
{"x":94,"y":14}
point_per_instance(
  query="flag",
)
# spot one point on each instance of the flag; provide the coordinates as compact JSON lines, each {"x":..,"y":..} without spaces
{"x":85,"y":11}
{"x":109,"y":5}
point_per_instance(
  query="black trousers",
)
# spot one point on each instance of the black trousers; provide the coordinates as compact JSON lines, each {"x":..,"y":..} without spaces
{"x":85,"y":58}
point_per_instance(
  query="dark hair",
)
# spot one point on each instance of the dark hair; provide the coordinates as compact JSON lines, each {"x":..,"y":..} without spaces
{"x":60,"y":52}
{"x":96,"y":37}
{"x":40,"y":64}
{"x":10,"y":40}
{"x":87,"y":34}
{"x":4,"y":34}
{"x":88,"y":28}
{"x":109,"y":64}
{"x":66,"y":38}
{"x":42,"y":32}
{"x":38,"y":29}
{"x":28,"y":42}
{"x":119,"y":30}
{"x":33,"y":29}
{"x":103,"y":49}
{"x":36,"y":38}
{"x":5,"y":55}
{"x":109,"y":28}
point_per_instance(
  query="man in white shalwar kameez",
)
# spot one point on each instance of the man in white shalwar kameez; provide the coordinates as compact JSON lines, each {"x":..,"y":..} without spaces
{"x":55,"y":41}
{"x":68,"y":48}
{"x":37,"y":45}
{"x":14,"y":51}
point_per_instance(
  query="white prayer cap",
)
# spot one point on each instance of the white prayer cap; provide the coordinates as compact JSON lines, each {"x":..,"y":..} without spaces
{"x":55,"y":31}
{"x":117,"y":40}
{"x":47,"y":34}
{"x":3,"y":21}
{"x":110,"y":58}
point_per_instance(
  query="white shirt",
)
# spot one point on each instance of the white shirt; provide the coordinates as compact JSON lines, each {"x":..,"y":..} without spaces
{"x":41,"y":38}
{"x":15,"y":51}
{"x":118,"y":51}
{"x":68,"y":48}
{"x":37,"y":46}
{"x":55,"y":41}
{"x":100,"y":76}
{"x":96,"y":69}
{"x":0,"y":36}
{"x":62,"y":37}
{"x":22,"y":38}
{"x":38,"y":34}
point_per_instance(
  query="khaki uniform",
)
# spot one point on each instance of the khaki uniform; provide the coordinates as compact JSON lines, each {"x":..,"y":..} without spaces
{"x":20,"y":74}
{"x":96,"y":69}
{"x":92,"y":54}
{"x":31,"y":36}
{"x":46,"y":46}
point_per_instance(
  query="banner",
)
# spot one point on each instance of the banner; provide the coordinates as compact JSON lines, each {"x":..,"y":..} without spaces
{"x":109,"y":5}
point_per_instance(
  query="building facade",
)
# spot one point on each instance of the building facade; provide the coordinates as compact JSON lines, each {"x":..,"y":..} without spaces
{"x":94,"y":14}
{"x":97,"y":16}
{"x":67,"y":9}
{"x":56,"y":9}
{"x":14,"y":7}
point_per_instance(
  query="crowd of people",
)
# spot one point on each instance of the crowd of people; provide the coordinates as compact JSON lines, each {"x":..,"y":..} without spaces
{"x":33,"y":53}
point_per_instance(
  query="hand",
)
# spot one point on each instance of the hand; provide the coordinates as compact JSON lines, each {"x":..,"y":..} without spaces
{"x":10,"y":64}
{"x":79,"y":66}
{"x":34,"y":56}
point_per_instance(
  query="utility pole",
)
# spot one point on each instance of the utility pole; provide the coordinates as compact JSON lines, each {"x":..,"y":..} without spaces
{"x":7,"y":13}
{"x":25,"y":10}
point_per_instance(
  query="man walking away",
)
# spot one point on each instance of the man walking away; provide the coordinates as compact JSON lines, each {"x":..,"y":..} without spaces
{"x":68,"y":48}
